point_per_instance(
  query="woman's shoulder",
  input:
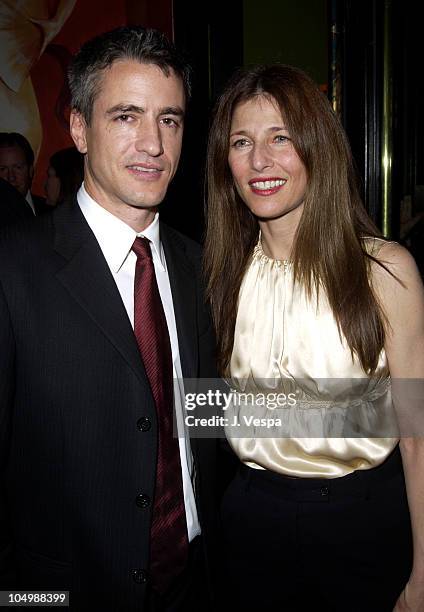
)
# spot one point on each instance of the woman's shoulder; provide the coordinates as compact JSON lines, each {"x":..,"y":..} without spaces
{"x":392,"y":260}
{"x":396,"y":279}
{"x":374,"y":244}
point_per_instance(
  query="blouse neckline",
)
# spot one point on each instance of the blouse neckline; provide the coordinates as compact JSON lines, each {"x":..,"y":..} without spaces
{"x":258,"y":253}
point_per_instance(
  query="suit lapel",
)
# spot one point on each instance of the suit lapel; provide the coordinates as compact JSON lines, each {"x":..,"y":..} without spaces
{"x":183,"y":288}
{"x":89,"y":281}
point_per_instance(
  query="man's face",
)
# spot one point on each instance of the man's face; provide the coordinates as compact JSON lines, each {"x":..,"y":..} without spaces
{"x":133,"y":143}
{"x":14,"y":168}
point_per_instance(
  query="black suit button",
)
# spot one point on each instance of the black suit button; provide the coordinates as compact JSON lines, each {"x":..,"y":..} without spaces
{"x":143,"y":424}
{"x":324,"y":491}
{"x":142,"y":500}
{"x":139,"y":576}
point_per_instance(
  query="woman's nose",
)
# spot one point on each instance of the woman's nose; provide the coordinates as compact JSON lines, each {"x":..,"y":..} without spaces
{"x":261,"y":157}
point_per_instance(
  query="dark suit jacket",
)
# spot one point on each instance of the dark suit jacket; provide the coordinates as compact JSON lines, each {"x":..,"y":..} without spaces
{"x":40,"y":205}
{"x":13,"y":206}
{"x":72,"y":390}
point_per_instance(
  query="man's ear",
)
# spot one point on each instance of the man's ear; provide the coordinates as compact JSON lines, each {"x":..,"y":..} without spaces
{"x":78,"y":129}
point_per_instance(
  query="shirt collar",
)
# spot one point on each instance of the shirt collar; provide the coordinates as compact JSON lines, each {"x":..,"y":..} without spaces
{"x":114,"y":236}
{"x":30,"y":201}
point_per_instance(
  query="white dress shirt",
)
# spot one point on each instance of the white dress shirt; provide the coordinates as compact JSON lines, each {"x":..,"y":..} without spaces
{"x":115,"y":239}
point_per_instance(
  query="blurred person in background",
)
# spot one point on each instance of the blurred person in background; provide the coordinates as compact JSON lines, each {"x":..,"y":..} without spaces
{"x":64,"y":176}
{"x":17,"y":168}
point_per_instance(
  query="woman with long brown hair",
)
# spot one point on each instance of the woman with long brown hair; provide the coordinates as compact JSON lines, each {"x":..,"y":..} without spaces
{"x":310,"y":302}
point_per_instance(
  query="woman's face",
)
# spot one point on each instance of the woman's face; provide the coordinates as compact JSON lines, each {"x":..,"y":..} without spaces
{"x":52,"y":187}
{"x":268,"y":173}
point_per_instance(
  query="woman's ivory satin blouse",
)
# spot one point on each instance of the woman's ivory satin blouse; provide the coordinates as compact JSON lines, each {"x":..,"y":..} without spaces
{"x":285,"y":343}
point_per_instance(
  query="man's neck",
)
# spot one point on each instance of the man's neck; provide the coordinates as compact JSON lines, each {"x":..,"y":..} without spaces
{"x":136,"y":217}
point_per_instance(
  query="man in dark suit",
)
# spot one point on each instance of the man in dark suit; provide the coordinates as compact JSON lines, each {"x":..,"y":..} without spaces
{"x":101,"y":316}
{"x":17,"y":168}
{"x":13,"y":206}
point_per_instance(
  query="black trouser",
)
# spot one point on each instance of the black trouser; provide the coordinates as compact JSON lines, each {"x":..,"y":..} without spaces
{"x":300,"y":544}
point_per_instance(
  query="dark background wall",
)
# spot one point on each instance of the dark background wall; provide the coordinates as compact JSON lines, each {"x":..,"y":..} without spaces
{"x":288,"y":32}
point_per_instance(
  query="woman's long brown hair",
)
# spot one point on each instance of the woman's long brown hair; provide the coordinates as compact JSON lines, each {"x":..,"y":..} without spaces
{"x":328,"y":251}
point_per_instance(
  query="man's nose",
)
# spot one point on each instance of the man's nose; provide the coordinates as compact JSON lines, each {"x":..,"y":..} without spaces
{"x":149,"y":139}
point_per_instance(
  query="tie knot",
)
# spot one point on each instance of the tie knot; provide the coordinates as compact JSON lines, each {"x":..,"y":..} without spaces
{"x":141,"y":248}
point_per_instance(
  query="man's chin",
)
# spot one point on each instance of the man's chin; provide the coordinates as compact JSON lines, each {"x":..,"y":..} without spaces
{"x":20,"y":190}
{"x":145,"y":200}
{"x":144,"y":205}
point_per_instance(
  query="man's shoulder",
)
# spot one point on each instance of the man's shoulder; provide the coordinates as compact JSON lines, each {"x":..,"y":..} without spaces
{"x":22,"y":237}
{"x":13,"y":206}
{"x":189,"y":246}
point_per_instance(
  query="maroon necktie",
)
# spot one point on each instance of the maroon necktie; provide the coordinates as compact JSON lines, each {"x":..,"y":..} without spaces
{"x":168,"y":534}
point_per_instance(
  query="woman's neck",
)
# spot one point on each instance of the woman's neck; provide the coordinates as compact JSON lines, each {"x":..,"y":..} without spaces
{"x":277,"y":235}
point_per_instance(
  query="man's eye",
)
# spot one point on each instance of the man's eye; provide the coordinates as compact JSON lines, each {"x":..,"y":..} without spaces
{"x":124,"y":118}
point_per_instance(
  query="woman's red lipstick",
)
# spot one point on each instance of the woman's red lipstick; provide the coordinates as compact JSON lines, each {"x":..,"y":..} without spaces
{"x":267,"y":185}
